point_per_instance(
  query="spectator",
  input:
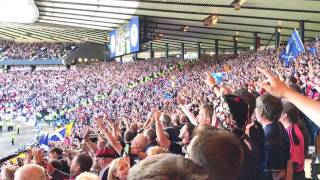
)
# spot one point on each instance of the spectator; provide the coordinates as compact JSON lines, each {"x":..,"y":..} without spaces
{"x":7,"y":172}
{"x":289,"y":119}
{"x":119,"y":169}
{"x":30,"y":172}
{"x":81,"y":163}
{"x":167,"y":166}
{"x":231,"y":114}
{"x":104,"y":157}
{"x":56,"y":154}
{"x":87,"y":176}
{"x":277,"y":143}
{"x":219,"y":152}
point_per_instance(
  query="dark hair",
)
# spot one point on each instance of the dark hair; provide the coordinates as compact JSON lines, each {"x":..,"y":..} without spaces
{"x":270,"y":106}
{"x":151,"y":134}
{"x":57,"y":151}
{"x":128,"y":136}
{"x":84,"y":161}
{"x":295,"y":87}
{"x":248,"y":98}
{"x":56,"y":164}
{"x":292,"y":80}
{"x":293,"y":114}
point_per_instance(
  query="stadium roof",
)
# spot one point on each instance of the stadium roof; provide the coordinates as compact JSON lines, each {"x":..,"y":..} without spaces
{"x":97,"y":17}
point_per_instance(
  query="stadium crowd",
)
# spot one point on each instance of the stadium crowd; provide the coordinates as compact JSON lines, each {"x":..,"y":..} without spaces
{"x":180,"y":124}
{"x":16,"y":51}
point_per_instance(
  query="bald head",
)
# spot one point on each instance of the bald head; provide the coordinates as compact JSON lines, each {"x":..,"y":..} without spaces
{"x":30,"y":172}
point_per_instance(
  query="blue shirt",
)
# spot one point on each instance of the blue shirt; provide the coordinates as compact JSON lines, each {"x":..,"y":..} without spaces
{"x":276,"y":148}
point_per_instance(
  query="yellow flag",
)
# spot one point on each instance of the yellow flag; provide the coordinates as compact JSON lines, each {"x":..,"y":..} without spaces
{"x":69,"y":129}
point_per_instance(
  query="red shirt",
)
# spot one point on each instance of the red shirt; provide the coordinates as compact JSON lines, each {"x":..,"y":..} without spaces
{"x":296,"y":151}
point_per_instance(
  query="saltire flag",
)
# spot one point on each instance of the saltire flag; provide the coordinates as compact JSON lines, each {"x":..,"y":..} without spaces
{"x":59,"y":135}
{"x":293,"y":50}
{"x":167,"y":96}
{"x":44,"y":142}
{"x":218,"y":77}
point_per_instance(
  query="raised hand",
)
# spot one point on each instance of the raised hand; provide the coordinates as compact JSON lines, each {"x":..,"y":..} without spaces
{"x":181,"y":100}
{"x":99,"y":123}
{"x":156,"y":114}
{"x":210,"y":80}
{"x":273,"y":85}
{"x":37,"y":156}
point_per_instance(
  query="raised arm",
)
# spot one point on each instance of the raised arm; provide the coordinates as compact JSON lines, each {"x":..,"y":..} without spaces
{"x":113,"y":141}
{"x":163,"y":140}
{"x":186,"y":112}
{"x":91,"y":145}
{"x":148,"y":123}
{"x":277,"y":88}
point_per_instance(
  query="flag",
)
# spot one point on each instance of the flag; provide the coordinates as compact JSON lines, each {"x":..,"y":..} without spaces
{"x":59,"y":135}
{"x":293,"y":50}
{"x":218,"y":77}
{"x":313,"y":50}
{"x":44,"y":142}
{"x":167,"y":96}
{"x":69,"y":129}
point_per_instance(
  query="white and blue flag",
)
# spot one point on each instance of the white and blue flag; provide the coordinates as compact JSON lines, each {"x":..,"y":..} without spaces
{"x":293,"y":50}
{"x":58,"y":135}
{"x":219,"y":76}
{"x":44,"y":142}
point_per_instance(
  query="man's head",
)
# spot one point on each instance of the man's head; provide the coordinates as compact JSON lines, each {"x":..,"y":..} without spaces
{"x":119,"y":169}
{"x":231,"y":113}
{"x":176,"y":119}
{"x":290,"y":114}
{"x":105,"y":156}
{"x":155,"y":150}
{"x":186,"y":133}
{"x":128,"y":136}
{"x":167,"y":166}
{"x":205,"y":115}
{"x":219,"y":152}
{"x":7,"y":172}
{"x":30,"y":172}
{"x":139,"y":142}
{"x":87,"y":176}
{"x":268,"y":109}
{"x":133,"y":127}
{"x":101,"y":143}
{"x":55,"y":153}
{"x":165,"y":120}
{"x":248,"y":98}
{"x":151,"y":135}
{"x":81,"y":163}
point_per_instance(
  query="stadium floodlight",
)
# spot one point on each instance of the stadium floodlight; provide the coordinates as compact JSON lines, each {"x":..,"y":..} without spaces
{"x":18,"y":11}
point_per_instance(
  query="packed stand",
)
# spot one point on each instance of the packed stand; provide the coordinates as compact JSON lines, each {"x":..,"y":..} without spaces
{"x":182,"y":124}
{"x":21,"y":51}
